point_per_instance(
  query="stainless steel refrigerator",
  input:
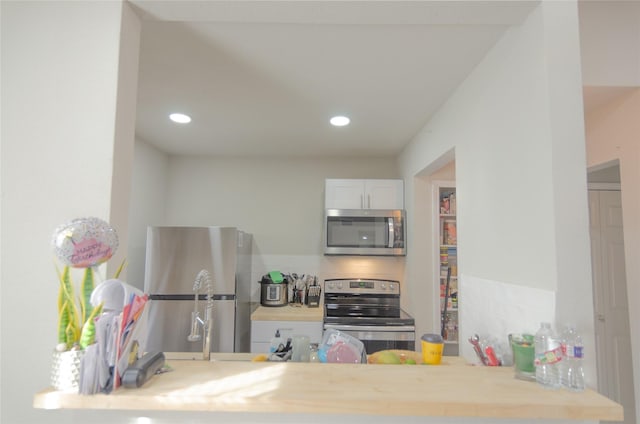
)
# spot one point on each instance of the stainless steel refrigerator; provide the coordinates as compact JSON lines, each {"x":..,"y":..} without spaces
{"x":174,"y":258}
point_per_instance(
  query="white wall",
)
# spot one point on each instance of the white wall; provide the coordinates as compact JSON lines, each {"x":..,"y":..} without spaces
{"x":280,"y":201}
{"x":501,"y":144}
{"x":421,"y":296}
{"x":148,"y":194}
{"x":613,"y":132}
{"x":126,"y":88}
{"x":512,"y":135}
{"x":59,"y":78}
{"x":61,"y":63}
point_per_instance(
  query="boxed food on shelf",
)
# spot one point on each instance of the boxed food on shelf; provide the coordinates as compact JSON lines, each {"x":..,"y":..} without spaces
{"x":449,"y":232}
{"x":446,"y":213}
{"x":448,"y":202}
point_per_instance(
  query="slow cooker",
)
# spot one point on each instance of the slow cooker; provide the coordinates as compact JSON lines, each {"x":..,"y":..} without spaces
{"x":273,"y":289}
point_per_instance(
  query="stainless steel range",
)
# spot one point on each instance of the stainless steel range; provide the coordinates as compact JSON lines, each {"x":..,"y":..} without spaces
{"x":369,"y":309}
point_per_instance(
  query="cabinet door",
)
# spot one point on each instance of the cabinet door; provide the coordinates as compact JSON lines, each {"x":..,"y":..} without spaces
{"x":344,"y":194}
{"x":260,"y":347}
{"x":364,"y":194}
{"x":384,"y":194}
{"x":263,"y":331}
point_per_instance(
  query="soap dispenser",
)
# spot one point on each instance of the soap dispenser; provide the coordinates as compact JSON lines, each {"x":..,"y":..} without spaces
{"x":277,"y":344}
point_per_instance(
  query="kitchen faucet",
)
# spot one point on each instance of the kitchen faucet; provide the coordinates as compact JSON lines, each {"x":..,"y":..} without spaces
{"x":196,"y":321}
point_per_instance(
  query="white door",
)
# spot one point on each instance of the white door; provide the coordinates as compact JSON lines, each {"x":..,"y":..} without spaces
{"x":613,"y":338}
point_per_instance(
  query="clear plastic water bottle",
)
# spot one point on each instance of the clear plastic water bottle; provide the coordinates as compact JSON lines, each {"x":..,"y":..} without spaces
{"x":314,"y":356}
{"x":548,"y":356}
{"x":572,"y":349}
{"x":566,"y":338}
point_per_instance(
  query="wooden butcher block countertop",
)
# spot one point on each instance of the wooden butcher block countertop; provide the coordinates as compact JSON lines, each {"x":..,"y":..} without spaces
{"x":450,"y":389}
{"x":288,"y":313}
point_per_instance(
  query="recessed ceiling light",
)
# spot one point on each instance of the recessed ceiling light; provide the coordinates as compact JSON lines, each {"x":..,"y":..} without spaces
{"x":180,"y":118}
{"x":339,"y":121}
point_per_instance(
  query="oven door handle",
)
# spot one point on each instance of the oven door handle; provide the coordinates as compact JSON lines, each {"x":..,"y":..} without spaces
{"x":378,"y":328}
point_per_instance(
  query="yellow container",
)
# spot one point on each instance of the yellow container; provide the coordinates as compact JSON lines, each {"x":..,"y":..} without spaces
{"x":432,"y":346}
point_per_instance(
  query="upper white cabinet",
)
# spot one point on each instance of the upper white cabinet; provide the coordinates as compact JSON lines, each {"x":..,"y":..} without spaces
{"x":364,"y":194}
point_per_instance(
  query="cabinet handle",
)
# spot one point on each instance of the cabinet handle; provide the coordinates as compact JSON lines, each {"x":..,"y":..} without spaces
{"x":601,"y":317}
{"x":362,"y":201}
{"x":368,"y":201}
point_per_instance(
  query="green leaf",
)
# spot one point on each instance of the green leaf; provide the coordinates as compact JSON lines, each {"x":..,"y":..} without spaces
{"x":68,"y":319}
{"x":78,"y":327}
{"x":63,"y":322}
{"x":85,"y":298}
{"x":120,"y":268}
{"x":88,"y":335}
{"x":70,"y":335}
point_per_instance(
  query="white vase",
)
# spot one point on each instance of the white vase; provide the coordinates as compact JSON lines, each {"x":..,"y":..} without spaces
{"x":65,"y":370}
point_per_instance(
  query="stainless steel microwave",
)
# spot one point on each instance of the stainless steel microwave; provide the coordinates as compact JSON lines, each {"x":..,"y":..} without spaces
{"x":365,"y":232}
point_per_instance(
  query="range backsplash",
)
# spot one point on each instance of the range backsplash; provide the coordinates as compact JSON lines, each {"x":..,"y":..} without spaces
{"x":327,"y":267}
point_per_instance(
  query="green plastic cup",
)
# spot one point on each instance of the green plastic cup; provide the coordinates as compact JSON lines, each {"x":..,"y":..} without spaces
{"x":523,"y":355}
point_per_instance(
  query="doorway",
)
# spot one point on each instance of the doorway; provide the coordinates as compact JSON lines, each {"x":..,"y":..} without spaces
{"x":611,"y":310}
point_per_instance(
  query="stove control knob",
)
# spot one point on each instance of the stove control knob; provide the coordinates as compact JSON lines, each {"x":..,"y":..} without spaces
{"x":392,"y":286}
{"x":339,"y":285}
{"x":383,"y":286}
{"x":329,"y":285}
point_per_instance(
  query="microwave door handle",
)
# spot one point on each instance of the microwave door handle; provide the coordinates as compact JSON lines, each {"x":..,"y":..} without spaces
{"x":391,"y":236}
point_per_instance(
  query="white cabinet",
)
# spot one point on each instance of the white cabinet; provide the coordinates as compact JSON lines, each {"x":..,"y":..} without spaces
{"x":263,"y":331}
{"x":364,"y":194}
{"x":446,"y":278}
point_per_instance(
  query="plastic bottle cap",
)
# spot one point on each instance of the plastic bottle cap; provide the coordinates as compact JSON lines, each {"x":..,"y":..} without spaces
{"x":432,"y":338}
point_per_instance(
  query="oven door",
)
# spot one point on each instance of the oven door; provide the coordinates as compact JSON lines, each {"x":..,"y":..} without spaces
{"x":376,"y":338}
{"x":341,"y":306}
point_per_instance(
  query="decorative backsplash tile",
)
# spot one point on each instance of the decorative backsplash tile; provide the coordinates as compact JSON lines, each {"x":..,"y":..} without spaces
{"x":495,"y":308}
{"x":325,"y":267}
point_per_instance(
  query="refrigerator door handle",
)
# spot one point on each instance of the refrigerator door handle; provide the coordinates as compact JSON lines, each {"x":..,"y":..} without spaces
{"x":224,"y":297}
{"x":176,"y":297}
{"x":190,"y":297}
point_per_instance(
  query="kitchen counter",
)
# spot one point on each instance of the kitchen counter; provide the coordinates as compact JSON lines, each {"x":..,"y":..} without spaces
{"x":287,"y":313}
{"x":215,"y":356}
{"x":452,"y":389}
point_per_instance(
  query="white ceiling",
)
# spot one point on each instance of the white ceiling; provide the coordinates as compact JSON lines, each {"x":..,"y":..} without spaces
{"x":262,"y":77}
